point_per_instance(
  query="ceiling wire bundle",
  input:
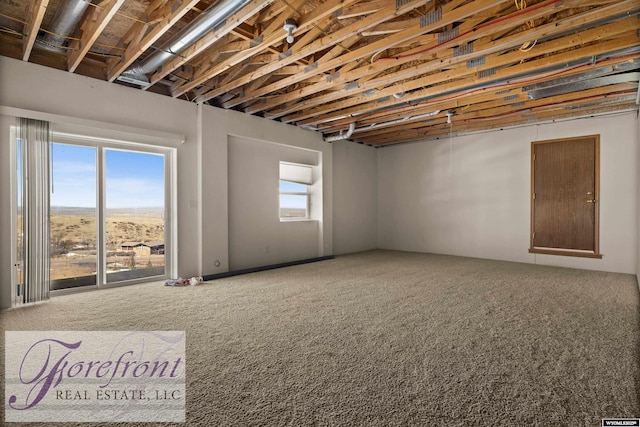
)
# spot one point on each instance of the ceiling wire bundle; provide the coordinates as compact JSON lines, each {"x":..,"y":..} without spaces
{"x":526,"y":46}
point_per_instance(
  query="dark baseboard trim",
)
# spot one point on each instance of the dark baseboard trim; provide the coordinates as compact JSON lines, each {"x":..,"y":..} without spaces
{"x":265,"y":267}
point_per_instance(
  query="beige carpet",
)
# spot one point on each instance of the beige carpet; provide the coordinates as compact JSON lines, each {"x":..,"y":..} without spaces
{"x":388,"y":339}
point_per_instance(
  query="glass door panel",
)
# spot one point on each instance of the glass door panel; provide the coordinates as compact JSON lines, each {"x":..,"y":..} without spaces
{"x":73,"y":216}
{"x":134,"y":215}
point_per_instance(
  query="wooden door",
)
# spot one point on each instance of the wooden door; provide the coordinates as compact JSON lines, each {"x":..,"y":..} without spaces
{"x":564,"y":187}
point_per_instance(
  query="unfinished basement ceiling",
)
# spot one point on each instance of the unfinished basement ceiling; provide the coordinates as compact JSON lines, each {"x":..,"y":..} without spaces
{"x":379,"y":71}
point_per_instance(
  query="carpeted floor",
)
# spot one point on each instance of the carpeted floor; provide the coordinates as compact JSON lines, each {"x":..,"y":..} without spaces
{"x":388,"y":339}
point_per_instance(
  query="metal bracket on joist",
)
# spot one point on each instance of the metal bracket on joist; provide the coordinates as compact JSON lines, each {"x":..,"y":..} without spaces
{"x":284,"y":54}
{"x":352,"y":85}
{"x":332,"y":77}
{"x":255,"y":42}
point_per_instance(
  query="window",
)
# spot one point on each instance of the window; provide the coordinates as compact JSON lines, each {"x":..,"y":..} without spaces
{"x":294,"y":200}
{"x":110,"y":216}
{"x":294,"y":190}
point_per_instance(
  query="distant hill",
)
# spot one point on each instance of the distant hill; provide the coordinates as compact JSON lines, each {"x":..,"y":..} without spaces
{"x":77,"y":226}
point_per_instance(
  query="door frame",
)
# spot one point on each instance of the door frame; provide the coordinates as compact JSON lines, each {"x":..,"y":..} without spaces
{"x":170,"y":204}
{"x":596,"y":242}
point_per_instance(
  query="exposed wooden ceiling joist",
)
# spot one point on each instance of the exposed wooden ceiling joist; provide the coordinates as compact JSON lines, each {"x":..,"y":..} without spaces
{"x":210,"y":38}
{"x":34,"y":20}
{"x":441,"y":56}
{"x":93,"y":25}
{"x":392,"y":67}
{"x":159,"y":17}
{"x":487,"y":65}
{"x":446,"y":16}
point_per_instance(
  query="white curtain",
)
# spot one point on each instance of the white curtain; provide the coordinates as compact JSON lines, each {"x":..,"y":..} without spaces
{"x":35,"y":137}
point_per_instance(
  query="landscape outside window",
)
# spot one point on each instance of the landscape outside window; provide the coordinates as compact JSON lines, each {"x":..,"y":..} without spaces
{"x":133,"y":212}
{"x":294,"y":200}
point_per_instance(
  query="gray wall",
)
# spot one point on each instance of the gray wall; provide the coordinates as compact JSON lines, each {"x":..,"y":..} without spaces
{"x":470,"y":197}
{"x":257,"y":237}
{"x":202,"y":172}
{"x":220,"y":128}
{"x":355,"y":196}
{"x":638,"y":205}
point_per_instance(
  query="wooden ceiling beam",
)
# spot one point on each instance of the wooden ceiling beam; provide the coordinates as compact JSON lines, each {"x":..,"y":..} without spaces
{"x":508,"y":106}
{"x":351,"y":79}
{"x":447,"y":16}
{"x":310,"y":35}
{"x":270,"y":12}
{"x":233,"y":22}
{"x":388,"y":28}
{"x":91,"y":28}
{"x":441,"y":57}
{"x":334,"y":52}
{"x":358,"y":102}
{"x":271,"y":36}
{"x":462,"y":72}
{"x":164,"y":15}
{"x":12,"y":46}
{"x":321,"y":44}
{"x":32,"y":26}
{"x":461,"y":92}
{"x":442,"y":131}
{"x":362,"y":9}
{"x":463,"y":101}
{"x":360,"y":80}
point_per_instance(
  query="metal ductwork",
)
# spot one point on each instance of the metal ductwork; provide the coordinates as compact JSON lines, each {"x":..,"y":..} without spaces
{"x":342,"y":135}
{"x":398,"y":121}
{"x":563,"y":88}
{"x":211,"y":18}
{"x":64,"y":24}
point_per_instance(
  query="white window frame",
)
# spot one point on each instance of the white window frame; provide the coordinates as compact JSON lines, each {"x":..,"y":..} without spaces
{"x":306,"y":194}
{"x":295,"y":173}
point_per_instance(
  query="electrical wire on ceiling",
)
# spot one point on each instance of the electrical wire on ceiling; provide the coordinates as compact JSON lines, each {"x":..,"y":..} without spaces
{"x":509,"y":83}
{"x":473,"y":30}
{"x":124,"y":15}
{"x":59,"y":35}
{"x":526,"y":46}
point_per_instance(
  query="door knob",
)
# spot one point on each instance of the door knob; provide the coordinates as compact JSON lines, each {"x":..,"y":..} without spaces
{"x":591,"y":201}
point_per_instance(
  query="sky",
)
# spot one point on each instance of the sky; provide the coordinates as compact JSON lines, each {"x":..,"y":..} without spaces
{"x":292,"y":201}
{"x":133,"y":180}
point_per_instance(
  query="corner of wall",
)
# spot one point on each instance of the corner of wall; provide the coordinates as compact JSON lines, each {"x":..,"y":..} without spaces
{"x":638,"y":192}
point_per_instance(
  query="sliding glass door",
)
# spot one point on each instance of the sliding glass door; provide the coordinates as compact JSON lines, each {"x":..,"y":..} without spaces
{"x":108,"y":213}
{"x":73,"y":231}
{"x":134,"y":214}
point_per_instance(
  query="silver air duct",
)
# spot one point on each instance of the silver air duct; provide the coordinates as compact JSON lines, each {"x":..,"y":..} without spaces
{"x":212,"y":17}
{"x":64,"y":24}
{"x":395,"y":122}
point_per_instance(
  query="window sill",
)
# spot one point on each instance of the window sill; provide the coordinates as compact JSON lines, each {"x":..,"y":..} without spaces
{"x":565,"y":252}
{"x":298,"y":220}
